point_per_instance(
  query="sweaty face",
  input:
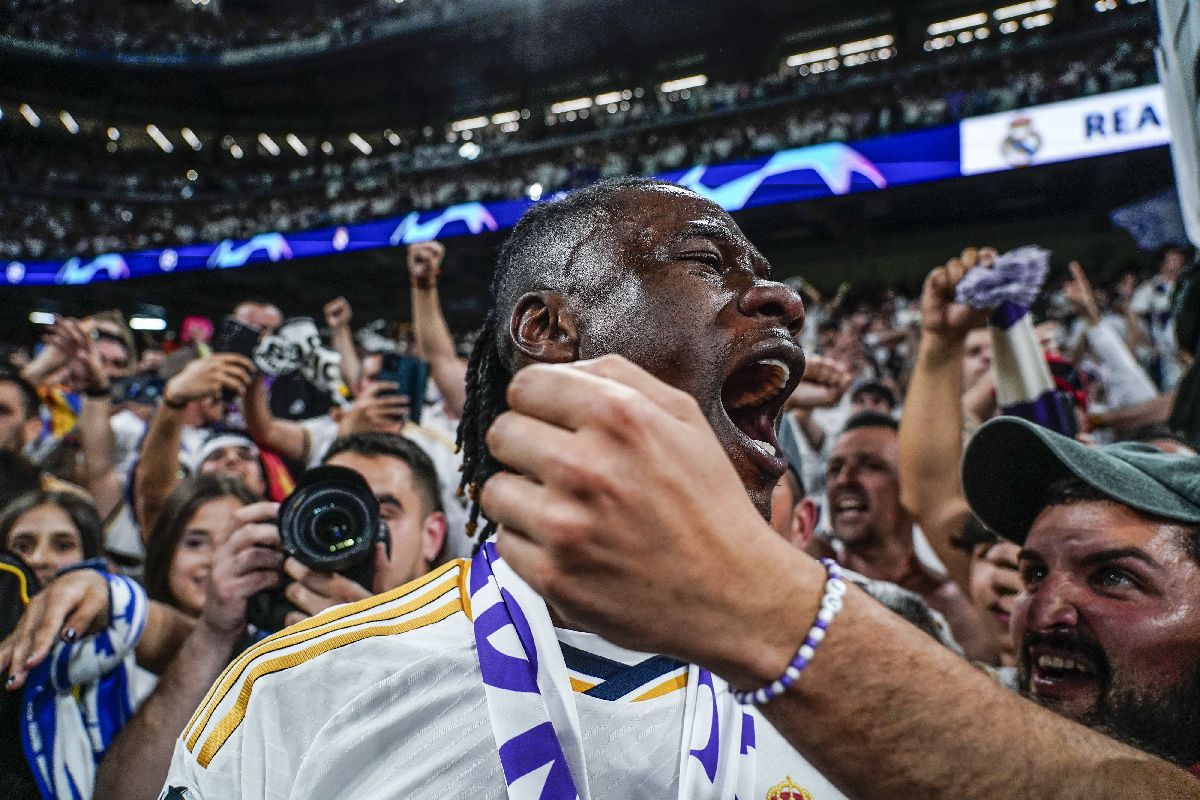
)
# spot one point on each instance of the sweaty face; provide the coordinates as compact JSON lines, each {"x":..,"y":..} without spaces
{"x":47,"y":539}
{"x":236,"y":462}
{"x":416,"y":534}
{"x":1108,"y":625}
{"x":995,"y":583}
{"x":688,"y":298}
{"x":863,"y":485}
{"x":191,"y":563}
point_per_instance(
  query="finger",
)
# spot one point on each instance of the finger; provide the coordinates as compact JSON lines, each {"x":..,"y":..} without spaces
{"x":256,"y":559}
{"x":525,"y":556}
{"x":571,"y":396}
{"x":954,"y":271}
{"x":306,"y":599}
{"x":937,"y":282}
{"x":987,"y":256}
{"x":321,"y":582}
{"x":256,"y":512}
{"x":969,"y":257}
{"x":517,"y":502}
{"x":1079,"y":275}
{"x":675,"y":402}
{"x":294,"y":618}
{"x":254,"y":535}
{"x":530,"y":446}
{"x":88,"y":618}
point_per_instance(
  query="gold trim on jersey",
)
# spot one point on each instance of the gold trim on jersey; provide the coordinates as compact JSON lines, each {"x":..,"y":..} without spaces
{"x":581,"y":686}
{"x":464,"y":589}
{"x":311,"y":628}
{"x":666,"y":687}
{"x":230,"y":722}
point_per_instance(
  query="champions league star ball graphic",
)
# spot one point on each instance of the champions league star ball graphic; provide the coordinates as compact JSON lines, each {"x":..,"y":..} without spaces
{"x":1021,"y":144}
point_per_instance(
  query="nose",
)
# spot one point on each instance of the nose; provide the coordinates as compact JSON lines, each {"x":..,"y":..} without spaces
{"x":1051,"y":606}
{"x":775,"y":304}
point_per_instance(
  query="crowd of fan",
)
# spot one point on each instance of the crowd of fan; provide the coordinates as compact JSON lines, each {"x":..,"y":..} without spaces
{"x":724,"y":122}
{"x":176,"y":29}
{"x":151,"y":464}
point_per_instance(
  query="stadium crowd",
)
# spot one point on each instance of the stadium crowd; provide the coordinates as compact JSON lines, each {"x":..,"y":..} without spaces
{"x":68,"y":202}
{"x":140,"y":488}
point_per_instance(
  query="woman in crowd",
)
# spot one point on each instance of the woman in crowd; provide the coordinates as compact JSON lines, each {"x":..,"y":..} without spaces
{"x":187,"y":533}
{"x":51,"y":530}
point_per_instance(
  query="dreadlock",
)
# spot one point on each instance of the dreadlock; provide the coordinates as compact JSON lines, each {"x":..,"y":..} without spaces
{"x":535,"y":246}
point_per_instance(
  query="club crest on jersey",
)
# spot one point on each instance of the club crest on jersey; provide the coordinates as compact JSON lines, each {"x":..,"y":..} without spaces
{"x":788,"y":789}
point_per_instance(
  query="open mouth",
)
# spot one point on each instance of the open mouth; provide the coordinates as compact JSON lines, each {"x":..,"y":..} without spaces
{"x":1061,"y":674}
{"x":753,"y":396}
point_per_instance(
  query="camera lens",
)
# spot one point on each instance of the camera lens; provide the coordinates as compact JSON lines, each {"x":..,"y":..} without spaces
{"x":333,"y":529}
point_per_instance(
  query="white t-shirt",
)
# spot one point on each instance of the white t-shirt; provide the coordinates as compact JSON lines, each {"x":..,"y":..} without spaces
{"x":383,"y":699}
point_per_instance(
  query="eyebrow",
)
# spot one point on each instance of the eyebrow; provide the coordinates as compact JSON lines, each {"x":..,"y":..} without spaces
{"x":386,"y":499}
{"x":1099,"y":557}
{"x":712,"y":230}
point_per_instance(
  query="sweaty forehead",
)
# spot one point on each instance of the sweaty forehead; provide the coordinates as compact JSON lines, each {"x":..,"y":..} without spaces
{"x":656,"y":216}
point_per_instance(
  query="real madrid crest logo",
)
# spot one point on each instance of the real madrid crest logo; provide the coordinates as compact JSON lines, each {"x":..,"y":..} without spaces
{"x":1021,"y":144}
{"x":788,"y":790}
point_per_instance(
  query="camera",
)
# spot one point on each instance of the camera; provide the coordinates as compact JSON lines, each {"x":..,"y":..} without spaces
{"x":330,"y":523}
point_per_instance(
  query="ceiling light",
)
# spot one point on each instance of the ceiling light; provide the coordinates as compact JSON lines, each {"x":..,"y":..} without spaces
{"x":469,"y":124}
{"x":958,"y":23}
{"x":114,"y":134}
{"x":362,"y":144}
{"x":268,"y":144}
{"x":68,"y":122}
{"x":874,"y":43}
{"x":1021,"y":9}
{"x":41,"y":317}
{"x":235,"y":150}
{"x":392,"y":137}
{"x":679,"y":84}
{"x":327,"y":148}
{"x":811,"y":57}
{"x":191,"y":138}
{"x":571,"y":105}
{"x":470,"y":151}
{"x":505,"y":117}
{"x":30,"y":115}
{"x":160,"y":138}
{"x":296,"y":144}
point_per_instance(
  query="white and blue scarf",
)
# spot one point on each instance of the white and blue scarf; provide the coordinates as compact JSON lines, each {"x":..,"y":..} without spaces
{"x":532,"y":708}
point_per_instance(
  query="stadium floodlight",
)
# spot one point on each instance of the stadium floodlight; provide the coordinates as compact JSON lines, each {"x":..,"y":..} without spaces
{"x":30,"y":115}
{"x":679,"y":84}
{"x":470,"y":151}
{"x":958,"y":23}
{"x":68,"y":122}
{"x":192,"y":175}
{"x":296,"y":144}
{"x":362,"y":144}
{"x":268,"y":144}
{"x":41,"y":318}
{"x":191,"y":138}
{"x":327,"y":148}
{"x":160,"y":138}
{"x":235,"y":150}
{"x":811,"y":57}
{"x":534,"y":191}
{"x":1021,"y":9}
{"x":391,"y":136}
{"x":1037,"y":21}
{"x":567,"y":106}
{"x":458,"y":126}
{"x":608,"y":98}
{"x":504,"y":117}
{"x":144,"y":321}
{"x":114,"y":135}
{"x":874,"y":43}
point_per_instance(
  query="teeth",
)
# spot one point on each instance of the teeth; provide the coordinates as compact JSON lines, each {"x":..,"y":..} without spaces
{"x":767,"y":446}
{"x":1059,"y":663}
{"x":777,"y":373}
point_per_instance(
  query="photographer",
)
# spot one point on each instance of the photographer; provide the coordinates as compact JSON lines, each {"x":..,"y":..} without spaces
{"x":404,"y":484}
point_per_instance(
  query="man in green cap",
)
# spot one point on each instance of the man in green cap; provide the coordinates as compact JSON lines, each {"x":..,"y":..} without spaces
{"x":1107,"y":628}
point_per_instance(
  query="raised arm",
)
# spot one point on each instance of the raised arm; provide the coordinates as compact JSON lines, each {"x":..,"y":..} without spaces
{"x":284,"y":436}
{"x":930,"y":427}
{"x":429,"y":326}
{"x":626,"y":515}
{"x":337,"y":316}
{"x":158,"y":466}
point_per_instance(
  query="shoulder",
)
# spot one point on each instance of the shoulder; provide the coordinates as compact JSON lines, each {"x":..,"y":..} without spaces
{"x":288,"y":684}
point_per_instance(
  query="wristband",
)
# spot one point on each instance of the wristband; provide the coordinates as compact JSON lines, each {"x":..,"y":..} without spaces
{"x":174,"y":405}
{"x":96,"y":391}
{"x":831,"y":604}
{"x":98,"y":564}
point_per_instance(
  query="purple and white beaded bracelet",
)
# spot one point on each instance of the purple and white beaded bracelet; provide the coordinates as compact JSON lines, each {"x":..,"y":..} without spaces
{"x":831,"y":604}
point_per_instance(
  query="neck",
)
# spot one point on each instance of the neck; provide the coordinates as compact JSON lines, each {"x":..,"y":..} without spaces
{"x":889,"y":558}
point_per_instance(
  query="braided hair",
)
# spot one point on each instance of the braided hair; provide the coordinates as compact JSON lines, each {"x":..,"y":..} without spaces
{"x":541,"y":246}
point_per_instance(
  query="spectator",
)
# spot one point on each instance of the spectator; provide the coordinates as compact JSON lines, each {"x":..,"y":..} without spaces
{"x":50,"y":531}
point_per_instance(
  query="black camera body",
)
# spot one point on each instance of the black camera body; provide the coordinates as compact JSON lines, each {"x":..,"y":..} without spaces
{"x":330,"y":523}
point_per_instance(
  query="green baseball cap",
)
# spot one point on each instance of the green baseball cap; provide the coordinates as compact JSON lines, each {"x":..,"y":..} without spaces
{"x":1009,"y":464}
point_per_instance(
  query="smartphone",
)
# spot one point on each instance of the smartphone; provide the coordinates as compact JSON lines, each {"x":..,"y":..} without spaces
{"x":239,"y":337}
{"x":411,"y":375}
{"x":145,"y":389}
{"x":236,"y":336}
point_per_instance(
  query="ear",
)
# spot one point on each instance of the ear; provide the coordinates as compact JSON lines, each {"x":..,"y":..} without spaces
{"x":804,"y":523}
{"x":433,"y":536}
{"x":543,"y":328}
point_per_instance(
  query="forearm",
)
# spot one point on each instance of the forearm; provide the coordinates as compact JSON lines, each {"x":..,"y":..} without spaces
{"x":158,"y":466}
{"x":931,"y":449}
{"x":166,"y":632}
{"x":437,"y":347}
{"x":1126,"y":382}
{"x":45,"y":364}
{"x":283,"y":436}
{"x":136,"y":763}
{"x":97,"y":443}
{"x":1131,"y":417}
{"x":343,"y":343}
{"x":812,"y":430}
{"x":934,"y":726}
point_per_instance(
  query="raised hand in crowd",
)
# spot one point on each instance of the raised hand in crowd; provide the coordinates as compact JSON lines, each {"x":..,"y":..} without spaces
{"x":1078,"y":292}
{"x":424,"y":261}
{"x":208,"y":377}
{"x":375,"y":409}
{"x":63,"y":341}
{"x":825,"y":382}
{"x":430,"y":331}
{"x":337,"y":316}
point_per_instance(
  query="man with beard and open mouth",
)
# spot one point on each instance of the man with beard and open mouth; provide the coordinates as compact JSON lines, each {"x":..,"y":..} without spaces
{"x":464,"y":683}
{"x":1107,"y":627}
